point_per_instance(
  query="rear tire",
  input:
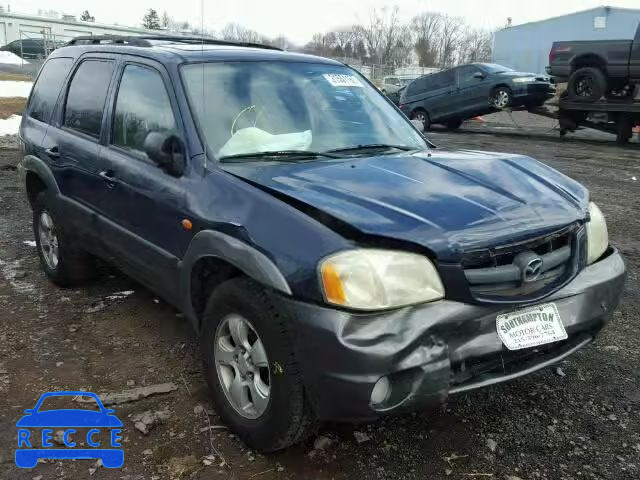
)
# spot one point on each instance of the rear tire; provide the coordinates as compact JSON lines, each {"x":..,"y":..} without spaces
{"x":423,"y":117}
{"x":285,"y":417}
{"x":588,"y":84}
{"x":62,"y":259}
{"x":454,"y":124}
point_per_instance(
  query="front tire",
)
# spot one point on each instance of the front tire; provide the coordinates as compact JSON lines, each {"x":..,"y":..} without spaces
{"x":62,"y":260}
{"x":501,"y":98}
{"x":251,"y":369}
{"x":587,"y":84}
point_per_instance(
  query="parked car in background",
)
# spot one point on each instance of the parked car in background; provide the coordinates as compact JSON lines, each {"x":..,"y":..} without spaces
{"x":30,"y":47}
{"x":596,"y":68}
{"x":394,"y":84}
{"x":452,"y":96}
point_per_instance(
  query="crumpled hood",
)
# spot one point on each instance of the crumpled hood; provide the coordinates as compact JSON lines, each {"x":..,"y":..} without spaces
{"x":449,"y":202}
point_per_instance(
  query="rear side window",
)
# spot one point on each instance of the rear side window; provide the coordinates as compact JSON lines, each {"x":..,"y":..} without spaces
{"x":142,"y":106}
{"x":444,"y":79}
{"x":86,"y":97}
{"x":420,"y":85}
{"x":47,"y":87}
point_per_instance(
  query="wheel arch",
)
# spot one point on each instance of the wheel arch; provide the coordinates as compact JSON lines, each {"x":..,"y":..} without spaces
{"x":588,"y":60}
{"x":214,"y":257}
{"x":37,"y":177}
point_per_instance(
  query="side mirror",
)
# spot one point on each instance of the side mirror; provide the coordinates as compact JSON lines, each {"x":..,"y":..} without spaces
{"x":479,"y":75}
{"x":167,"y":151}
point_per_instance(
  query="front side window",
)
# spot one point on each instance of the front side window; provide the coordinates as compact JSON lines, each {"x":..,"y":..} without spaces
{"x":466,"y":74}
{"x":142,"y":106}
{"x":87,"y":95}
{"x":251,"y":107}
{"x":47,"y":88}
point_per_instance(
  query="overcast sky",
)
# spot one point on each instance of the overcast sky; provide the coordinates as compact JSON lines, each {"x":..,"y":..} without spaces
{"x":299,"y":19}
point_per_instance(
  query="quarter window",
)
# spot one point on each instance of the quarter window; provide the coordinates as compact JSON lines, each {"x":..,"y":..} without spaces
{"x":47,"y":88}
{"x":86,"y":97}
{"x":142,"y":106}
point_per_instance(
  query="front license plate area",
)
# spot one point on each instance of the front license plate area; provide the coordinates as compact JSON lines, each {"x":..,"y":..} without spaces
{"x":531,"y":327}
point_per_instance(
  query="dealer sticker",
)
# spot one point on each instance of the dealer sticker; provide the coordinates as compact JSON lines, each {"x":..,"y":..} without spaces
{"x":531,"y":327}
{"x":341,"y":80}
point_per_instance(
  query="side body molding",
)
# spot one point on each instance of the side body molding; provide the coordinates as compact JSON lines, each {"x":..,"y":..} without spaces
{"x":210,"y":243}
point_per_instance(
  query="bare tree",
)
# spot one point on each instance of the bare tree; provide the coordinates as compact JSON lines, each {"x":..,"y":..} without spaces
{"x":476,"y":46}
{"x":237,"y":33}
{"x":426,"y":29}
{"x":450,"y":37}
{"x":382,"y":35}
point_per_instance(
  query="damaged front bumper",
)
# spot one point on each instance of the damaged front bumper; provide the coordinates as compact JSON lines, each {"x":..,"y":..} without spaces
{"x":430,"y":351}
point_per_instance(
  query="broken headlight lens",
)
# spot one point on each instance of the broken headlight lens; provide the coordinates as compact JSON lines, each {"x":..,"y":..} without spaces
{"x":371,"y":279}
{"x":597,"y":234}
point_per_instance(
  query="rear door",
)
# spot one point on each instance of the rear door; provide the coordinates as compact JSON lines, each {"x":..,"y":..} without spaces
{"x":441,"y":95}
{"x":73,"y":140}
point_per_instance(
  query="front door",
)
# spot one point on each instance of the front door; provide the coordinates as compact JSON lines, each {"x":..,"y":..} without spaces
{"x":472,"y":97}
{"x":145,"y":205}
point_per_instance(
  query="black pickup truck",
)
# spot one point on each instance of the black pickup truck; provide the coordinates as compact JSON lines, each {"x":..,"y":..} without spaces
{"x":596,"y":68}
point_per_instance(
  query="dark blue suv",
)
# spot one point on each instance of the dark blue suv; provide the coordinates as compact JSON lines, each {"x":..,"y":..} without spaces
{"x":335,"y":264}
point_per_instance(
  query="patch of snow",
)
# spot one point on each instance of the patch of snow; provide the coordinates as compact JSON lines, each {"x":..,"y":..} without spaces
{"x":11,"y":58}
{"x":13,"y":273}
{"x":10,"y":126}
{"x":30,"y":243}
{"x":14,"y":88}
{"x":120,"y":295}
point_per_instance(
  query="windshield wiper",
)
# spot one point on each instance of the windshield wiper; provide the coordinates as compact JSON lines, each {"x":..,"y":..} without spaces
{"x":280,"y":155}
{"x":372,"y":146}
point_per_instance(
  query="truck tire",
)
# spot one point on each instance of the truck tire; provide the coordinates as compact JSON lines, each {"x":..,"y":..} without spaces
{"x":251,"y":368}
{"x":62,"y":259}
{"x":588,"y":84}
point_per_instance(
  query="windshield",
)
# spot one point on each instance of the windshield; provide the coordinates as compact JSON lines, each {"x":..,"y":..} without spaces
{"x":495,"y":68}
{"x":255,"y":107}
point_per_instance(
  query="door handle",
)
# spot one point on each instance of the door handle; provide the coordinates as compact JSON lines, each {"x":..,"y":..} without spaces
{"x":108,"y":176}
{"x":53,"y":152}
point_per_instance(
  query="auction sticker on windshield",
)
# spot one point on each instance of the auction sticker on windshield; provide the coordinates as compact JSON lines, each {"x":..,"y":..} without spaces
{"x":531,"y":327}
{"x":341,"y":80}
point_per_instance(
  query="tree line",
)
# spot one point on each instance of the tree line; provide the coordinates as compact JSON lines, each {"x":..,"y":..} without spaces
{"x":429,"y":39}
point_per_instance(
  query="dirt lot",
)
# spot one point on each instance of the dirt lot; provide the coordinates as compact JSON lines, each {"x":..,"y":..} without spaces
{"x":579,"y":422}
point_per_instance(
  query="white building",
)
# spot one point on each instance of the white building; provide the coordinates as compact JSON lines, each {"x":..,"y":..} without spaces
{"x":15,"y":26}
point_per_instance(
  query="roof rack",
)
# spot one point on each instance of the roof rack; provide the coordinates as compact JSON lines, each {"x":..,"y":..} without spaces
{"x":151,"y":40}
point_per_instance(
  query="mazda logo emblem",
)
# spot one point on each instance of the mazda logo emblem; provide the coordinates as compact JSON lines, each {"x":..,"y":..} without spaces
{"x":532,"y":270}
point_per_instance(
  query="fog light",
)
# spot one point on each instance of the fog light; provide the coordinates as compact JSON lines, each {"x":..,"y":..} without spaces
{"x":381,"y":391}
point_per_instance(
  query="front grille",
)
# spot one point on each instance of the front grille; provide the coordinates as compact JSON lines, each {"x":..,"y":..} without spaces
{"x":500,"y":272}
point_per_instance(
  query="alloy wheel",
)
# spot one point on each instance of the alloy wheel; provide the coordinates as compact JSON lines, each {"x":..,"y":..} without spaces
{"x":48,"y":240}
{"x":242,"y":366}
{"x":501,"y":99}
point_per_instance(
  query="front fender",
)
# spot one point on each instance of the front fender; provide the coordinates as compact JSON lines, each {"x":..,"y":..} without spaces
{"x":246,"y":258}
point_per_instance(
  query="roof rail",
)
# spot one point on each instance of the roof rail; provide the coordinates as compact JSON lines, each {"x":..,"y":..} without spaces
{"x":151,"y":40}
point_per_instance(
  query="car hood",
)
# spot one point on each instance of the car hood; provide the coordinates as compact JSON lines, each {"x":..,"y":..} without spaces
{"x":446,"y":201}
{"x":69,"y":418}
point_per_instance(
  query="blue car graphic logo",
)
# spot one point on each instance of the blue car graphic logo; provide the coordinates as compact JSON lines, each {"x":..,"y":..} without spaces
{"x":34,"y":444}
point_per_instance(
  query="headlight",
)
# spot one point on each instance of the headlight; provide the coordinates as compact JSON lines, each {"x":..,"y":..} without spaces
{"x":523,"y":79}
{"x":597,"y":234}
{"x":370,"y":279}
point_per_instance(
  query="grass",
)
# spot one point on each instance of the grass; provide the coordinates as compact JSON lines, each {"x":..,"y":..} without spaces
{"x":11,"y":106}
{"x":16,"y":77}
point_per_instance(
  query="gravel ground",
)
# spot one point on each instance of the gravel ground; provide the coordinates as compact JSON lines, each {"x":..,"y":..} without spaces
{"x":579,"y":422}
